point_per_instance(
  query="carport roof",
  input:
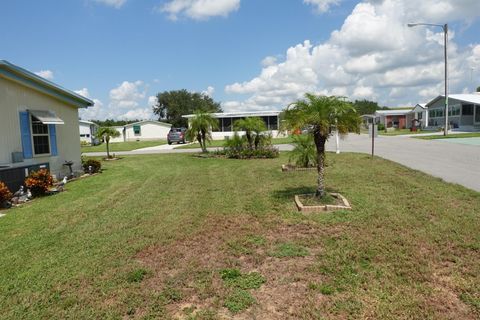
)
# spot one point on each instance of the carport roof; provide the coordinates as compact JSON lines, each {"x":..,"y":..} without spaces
{"x":464,"y":97}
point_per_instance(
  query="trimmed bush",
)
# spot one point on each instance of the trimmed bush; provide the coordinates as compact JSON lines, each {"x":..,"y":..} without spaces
{"x":39,"y":182}
{"x":5,"y":193}
{"x":95,"y":164}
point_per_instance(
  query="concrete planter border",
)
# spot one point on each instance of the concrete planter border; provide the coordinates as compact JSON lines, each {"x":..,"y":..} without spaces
{"x":323,"y":208}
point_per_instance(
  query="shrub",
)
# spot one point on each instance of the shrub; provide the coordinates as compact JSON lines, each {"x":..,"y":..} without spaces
{"x":39,"y":182}
{"x":305,"y":152}
{"x":237,"y":147}
{"x":5,"y":193}
{"x":381,"y":126}
{"x":95,"y":164}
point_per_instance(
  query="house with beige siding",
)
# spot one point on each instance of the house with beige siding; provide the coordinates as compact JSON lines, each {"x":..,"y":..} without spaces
{"x":38,"y":125}
{"x":142,"y":131}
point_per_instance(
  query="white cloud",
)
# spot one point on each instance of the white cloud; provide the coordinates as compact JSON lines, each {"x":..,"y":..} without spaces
{"x":47,"y":74}
{"x":117,"y":4}
{"x":139,"y":113}
{"x":127,"y":94}
{"x":152,"y":101}
{"x":209,"y":92}
{"x":322,"y":5}
{"x":199,"y":9}
{"x":373,"y":55}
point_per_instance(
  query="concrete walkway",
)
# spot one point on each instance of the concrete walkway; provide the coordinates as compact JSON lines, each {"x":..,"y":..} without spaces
{"x":456,"y":163}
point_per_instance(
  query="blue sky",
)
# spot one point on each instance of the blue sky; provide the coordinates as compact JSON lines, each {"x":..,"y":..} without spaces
{"x":248,"y":54}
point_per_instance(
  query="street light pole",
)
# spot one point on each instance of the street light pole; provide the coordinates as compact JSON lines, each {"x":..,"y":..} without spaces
{"x":445,"y":41}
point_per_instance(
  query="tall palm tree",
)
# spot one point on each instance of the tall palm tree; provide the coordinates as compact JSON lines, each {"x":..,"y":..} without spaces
{"x":253,"y":127}
{"x":106,"y":133}
{"x":200,"y":128}
{"x":321,"y":116}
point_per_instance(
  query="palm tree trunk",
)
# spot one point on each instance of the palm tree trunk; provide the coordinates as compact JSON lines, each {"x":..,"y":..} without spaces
{"x":320,"y":144}
{"x":204,"y":142}
{"x":249,"y":139}
{"x":107,"y":140}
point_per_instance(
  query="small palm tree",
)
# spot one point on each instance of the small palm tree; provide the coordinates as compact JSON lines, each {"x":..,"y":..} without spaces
{"x":304,"y":153}
{"x":106,"y":133}
{"x":200,"y":128}
{"x":253,"y":127}
{"x":321,"y":116}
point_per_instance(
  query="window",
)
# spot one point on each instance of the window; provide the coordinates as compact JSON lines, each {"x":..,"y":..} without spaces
{"x":136,"y":129}
{"x":419,"y":115}
{"x":227,"y":124}
{"x":273,"y":123}
{"x":40,"y":137}
{"x":467,"y":110}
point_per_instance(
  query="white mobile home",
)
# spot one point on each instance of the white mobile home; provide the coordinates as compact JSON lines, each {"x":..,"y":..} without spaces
{"x":38,"y":125}
{"x":463,"y":112}
{"x":88,"y":130}
{"x":142,"y":131}
{"x":227,"y":119}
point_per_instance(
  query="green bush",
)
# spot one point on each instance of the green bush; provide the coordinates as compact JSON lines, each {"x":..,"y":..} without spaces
{"x":95,"y":164}
{"x":381,"y":126}
{"x":305,"y":152}
{"x":264,"y":153}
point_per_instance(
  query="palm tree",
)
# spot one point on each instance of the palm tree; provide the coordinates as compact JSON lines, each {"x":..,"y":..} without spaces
{"x":106,"y":133}
{"x":321,"y":116}
{"x":200,"y":127}
{"x":253,"y":127}
{"x":304,"y":153}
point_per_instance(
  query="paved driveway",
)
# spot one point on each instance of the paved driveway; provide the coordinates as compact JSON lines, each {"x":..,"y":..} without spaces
{"x":457,"y":163}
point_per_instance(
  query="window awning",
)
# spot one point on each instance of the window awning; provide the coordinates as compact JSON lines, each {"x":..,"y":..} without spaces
{"x":46,"y":116}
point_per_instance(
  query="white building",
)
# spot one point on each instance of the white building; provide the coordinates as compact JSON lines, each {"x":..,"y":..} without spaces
{"x":227,"y":119}
{"x":142,"y":131}
{"x":463,"y":112}
{"x":87,"y":130}
{"x":38,"y":125}
{"x":403,"y":118}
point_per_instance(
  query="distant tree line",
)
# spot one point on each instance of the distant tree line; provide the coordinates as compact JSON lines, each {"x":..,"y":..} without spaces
{"x":367,"y":107}
{"x":113,"y":123}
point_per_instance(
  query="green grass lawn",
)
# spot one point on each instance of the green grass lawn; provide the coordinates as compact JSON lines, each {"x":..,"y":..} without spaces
{"x":221,"y":143}
{"x":123,"y":146}
{"x":451,"y":136}
{"x":174,"y":236}
{"x":398,"y":132}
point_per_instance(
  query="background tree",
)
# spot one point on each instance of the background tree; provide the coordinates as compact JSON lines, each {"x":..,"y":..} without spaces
{"x":253,"y":127}
{"x":113,"y":123}
{"x":367,"y":107}
{"x":106,"y":133}
{"x":478,"y":89}
{"x":201,"y":126}
{"x":172,"y":105}
{"x":321,"y":116}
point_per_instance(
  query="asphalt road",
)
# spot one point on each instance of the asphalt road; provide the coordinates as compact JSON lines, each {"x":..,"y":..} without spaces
{"x":456,"y":163}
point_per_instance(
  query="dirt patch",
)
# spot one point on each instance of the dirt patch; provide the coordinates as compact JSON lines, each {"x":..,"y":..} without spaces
{"x":192,"y":266}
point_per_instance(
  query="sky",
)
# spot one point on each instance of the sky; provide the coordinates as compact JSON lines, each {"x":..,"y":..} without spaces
{"x":250,"y":55}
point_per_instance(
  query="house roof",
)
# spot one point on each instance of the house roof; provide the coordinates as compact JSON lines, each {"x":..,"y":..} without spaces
{"x":29,"y":79}
{"x":88,"y":122}
{"x":240,"y":114}
{"x":465,"y":97}
{"x":149,"y":121}
{"x":398,"y":112}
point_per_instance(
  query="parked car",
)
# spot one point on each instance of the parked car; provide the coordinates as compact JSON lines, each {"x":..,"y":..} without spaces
{"x":176,"y":135}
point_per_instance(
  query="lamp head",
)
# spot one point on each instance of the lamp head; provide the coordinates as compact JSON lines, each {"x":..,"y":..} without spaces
{"x":412,"y":25}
